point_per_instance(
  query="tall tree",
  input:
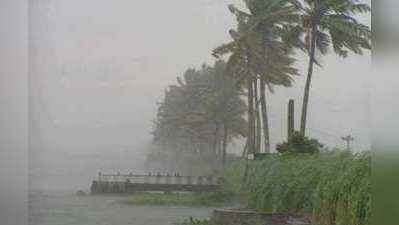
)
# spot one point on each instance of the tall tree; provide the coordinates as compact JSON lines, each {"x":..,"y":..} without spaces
{"x":200,"y":114}
{"x":257,"y":43}
{"x":265,"y":117}
{"x":239,"y":67}
{"x":331,"y":22}
{"x":226,"y":106}
{"x":258,"y":136}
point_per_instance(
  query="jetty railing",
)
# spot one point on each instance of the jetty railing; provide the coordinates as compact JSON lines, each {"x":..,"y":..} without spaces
{"x":110,"y":183}
{"x":158,"y":178}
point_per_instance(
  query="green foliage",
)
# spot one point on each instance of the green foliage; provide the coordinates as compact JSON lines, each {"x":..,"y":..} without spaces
{"x":330,"y":24}
{"x":330,"y":188}
{"x":336,"y":25}
{"x":264,"y":35}
{"x":233,"y":181}
{"x":299,"y":144}
{"x":197,"y":114}
{"x":259,"y":51}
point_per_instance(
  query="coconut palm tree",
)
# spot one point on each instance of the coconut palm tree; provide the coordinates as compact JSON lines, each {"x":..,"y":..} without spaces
{"x":200,"y":114}
{"x":331,"y":23}
{"x":258,"y":52}
{"x":239,"y":67}
{"x":225,"y":107}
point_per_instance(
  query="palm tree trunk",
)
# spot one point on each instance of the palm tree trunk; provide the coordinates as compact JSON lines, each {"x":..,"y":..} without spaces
{"x":257,"y":118}
{"x":220,"y":147}
{"x":308,"y":80}
{"x":225,"y":136}
{"x":251,"y":122}
{"x":265,"y":118}
{"x":216,"y":140}
{"x":245,"y":154}
{"x":244,"y":151}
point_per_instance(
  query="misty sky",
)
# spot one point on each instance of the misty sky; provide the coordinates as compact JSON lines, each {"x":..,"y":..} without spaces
{"x":113,"y":60}
{"x":101,"y":67}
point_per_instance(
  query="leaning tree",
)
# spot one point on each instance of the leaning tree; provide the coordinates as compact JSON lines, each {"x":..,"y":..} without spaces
{"x":259,"y":51}
{"x":333,"y":23}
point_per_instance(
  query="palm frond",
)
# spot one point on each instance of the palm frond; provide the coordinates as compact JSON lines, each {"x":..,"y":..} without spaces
{"x":322,"y":42}
{"x":224,"y":49}
{"x":345,"y":25}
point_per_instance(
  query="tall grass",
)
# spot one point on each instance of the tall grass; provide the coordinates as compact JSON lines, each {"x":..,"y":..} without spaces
{"x":329,"y":188}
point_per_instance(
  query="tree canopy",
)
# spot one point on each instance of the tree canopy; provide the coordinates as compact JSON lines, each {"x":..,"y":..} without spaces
{"x":200,"y":112}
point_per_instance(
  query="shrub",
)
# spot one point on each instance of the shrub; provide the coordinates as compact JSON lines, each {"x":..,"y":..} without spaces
{"x":300,"y":144}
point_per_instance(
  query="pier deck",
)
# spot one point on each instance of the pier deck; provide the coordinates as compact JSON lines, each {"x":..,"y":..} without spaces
{"x":131,"y":183}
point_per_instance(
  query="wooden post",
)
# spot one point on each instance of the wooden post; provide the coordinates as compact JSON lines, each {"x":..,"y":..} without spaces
{"x":291,"y":121}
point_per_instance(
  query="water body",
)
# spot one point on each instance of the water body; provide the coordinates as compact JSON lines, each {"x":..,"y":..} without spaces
{"x":62,"y":208}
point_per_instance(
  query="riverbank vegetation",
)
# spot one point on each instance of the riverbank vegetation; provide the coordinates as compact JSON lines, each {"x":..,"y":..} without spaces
{"x":332,"y":188}
{"x":328,"y":188}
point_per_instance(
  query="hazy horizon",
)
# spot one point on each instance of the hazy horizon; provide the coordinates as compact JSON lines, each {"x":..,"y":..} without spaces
{"x":99,"y":68}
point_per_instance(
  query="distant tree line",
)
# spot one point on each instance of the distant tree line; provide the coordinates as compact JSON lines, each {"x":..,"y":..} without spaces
{"x":200,"y":115}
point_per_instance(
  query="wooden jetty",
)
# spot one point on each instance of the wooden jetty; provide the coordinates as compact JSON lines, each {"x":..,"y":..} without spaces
{"x":133,"y":183}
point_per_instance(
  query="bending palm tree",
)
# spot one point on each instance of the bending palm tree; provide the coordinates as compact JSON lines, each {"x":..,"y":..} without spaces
{"x":260,"y":51}
{"x":239,"y":67}
{"x":331,"y":22}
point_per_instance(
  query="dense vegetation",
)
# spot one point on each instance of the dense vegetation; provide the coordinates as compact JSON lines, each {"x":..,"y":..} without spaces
{"x":196,"y":120}
{"x":299,"y":144}
{"x":330,"y":188}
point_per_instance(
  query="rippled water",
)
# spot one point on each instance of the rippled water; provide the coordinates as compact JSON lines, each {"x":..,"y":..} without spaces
{"x":68,"y":209}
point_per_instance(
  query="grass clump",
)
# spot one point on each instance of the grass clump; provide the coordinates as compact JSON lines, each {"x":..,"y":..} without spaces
{"x":329,"y":188}
{"x":204,"y":199}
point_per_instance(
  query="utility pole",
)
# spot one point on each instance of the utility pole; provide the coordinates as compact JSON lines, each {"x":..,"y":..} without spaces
{"x":348,"y":139}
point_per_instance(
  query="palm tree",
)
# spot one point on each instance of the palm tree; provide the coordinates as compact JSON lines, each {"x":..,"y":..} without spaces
{"x":258,"y":135}
{"x":225,"y":106}
{"x":239,"y":67}
{"x":200,"y":114}
{"x":331,"y":22}
{"x":257,"y":52}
